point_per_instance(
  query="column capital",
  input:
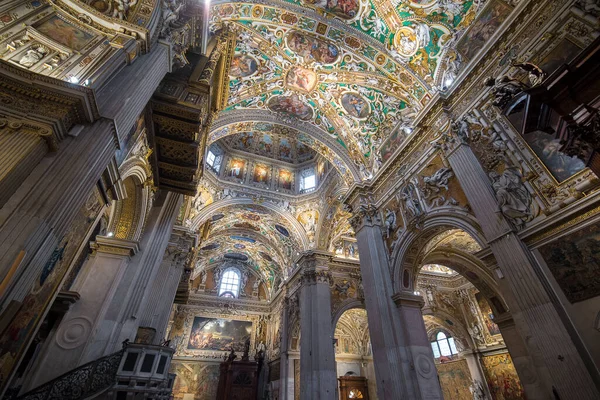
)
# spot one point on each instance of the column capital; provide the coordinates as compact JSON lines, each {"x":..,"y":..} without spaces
{"x":121,"y":247}
{"x":365,"y":215}
{"x":406,"y":299}
{"x":315,"y":268}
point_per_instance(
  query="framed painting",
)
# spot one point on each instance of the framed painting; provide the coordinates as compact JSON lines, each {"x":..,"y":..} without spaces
{"x":455,"y":380}
{"x":574,"y":261}
{"x":65,"y":33}
{"x":484,"y":27}
{"x":236,"y":168}
{"x":562,"y":53}
{"x":218,"y":334}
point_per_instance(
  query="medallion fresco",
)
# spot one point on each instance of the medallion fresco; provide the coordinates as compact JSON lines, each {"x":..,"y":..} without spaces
{"x":291,"y":105}
{"x":242,"y":66}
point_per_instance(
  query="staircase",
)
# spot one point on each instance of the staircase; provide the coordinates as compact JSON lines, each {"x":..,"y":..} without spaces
{"x":136,"y":370}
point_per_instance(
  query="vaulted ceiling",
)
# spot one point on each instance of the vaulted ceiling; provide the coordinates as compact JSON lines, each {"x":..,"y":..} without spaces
{"x":350,"y":74}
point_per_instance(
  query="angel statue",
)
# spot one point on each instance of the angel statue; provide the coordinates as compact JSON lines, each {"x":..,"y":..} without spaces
{"x":535,"y":74}
{"x":504,"y":89}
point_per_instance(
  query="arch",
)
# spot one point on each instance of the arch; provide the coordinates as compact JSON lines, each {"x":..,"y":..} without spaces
{"x":432,"y":224}
{"x":212,"y":208}
{"x":127,"y":216}
{"x":348,"y":305}
{"x":340,"y":159}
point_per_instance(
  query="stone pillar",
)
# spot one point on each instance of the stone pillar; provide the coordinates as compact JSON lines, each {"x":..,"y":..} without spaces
{"x":283,"y":351}
{"x":158,"y":307}
{"x":417,"y":343}
{"x":96,"y":284}
{"x":392,"y":356}
{"x":124,"y":314}
{"x":35,"y":219}
{"x":558,"y":363}
{"x":520,"y":357}
{"x":476,"y":370}
{"x":318,"y":379}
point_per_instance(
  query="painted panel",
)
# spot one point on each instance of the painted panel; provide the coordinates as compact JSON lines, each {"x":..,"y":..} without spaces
{"x":502,"y":377}
{"x":219,"y":334}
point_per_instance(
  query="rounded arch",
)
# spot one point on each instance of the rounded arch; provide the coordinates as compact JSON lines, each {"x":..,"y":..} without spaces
{"x":339,"y":159}
{"x":347,"y":305}
{"x":128,"y":215}
{"x":213,"y":208}
{"x":457,"y":329}
{"x":431,"y":225}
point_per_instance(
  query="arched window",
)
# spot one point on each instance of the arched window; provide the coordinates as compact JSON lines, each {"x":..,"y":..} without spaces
{"x":230,"y":283}
{"x":443,"y":345}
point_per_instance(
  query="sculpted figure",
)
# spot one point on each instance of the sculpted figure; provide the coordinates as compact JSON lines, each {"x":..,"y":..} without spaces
{"x":390,"y":222}
{"x":31,"y":57}
{"x":513,"y":197}
{"x":439,"y":180}
{"x":504,"y":89}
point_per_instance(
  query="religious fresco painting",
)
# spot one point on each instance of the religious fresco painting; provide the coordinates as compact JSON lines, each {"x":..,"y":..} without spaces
{"x":219,"y":334}
{"x":301,"y":78}
{"x":355,"y":105}
{"x":64,"y":33}
{"x":547,"y":147}
{"x":285,"y":149}
{"x":285,"y":179}
{"x":261,"y":174}
{"x":455,"y":380}
{"x":265,"y":145}
{"x":574,"y":261}
{"x":291,"y":105}
{"x":312,"y":49}
{"x":488,"y":21}
{"x":488,"y":315}
{"x":502,"y":377}
{"x":344,"y":9}
{"x":563,"y":53}
{"x":236,"y":168}
{"x":242,"y":65}
{"x":195,"y":380}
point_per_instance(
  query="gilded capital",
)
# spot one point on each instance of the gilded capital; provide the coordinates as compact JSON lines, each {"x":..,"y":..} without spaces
{"x":366,"y":214}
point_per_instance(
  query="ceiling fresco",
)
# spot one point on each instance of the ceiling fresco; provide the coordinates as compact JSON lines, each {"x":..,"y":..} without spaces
{"x":255,"y":235}
{"x":271,"y":141}
{"x":357,"y":70}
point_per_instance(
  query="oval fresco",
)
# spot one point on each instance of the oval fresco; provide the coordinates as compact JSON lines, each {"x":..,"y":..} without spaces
{"x":251,"y":216}
{"x":265,"y":256}
{"x":211,"y":246}
{"x":291,"y":105}
{"x":239,"y":246}
{"x":282,"y":230}
{"x":301,"y":78}
{"x":246,"y":225}
{"x":244,"y":238}
{"x":236,"y":256}
{"x":217,"y":217}
{"x":355,"y":105}
{"x":347,"y":9}
{"x":311,"y":48}
{"x":406,"y":41}
{"x":242,"y":66}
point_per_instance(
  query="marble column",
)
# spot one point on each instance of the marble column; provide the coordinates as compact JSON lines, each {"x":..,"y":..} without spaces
{"x":390,"y":341}
{"x":135,"y":290}
{"x":557,"y":362}
{"x":96,"y":284}
{"x":411,"y":319}
{"x":36,"y":217}
{"x":318,"y":379}
{"x":158,"y":307}
{"x":283,"y":351}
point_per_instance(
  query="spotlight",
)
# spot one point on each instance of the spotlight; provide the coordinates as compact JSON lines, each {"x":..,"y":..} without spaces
{"x":110,"y":234}
{"x":74,"y":79}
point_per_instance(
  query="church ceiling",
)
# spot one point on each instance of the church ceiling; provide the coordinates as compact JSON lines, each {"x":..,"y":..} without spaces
{"x":254,"y":235}
{"x":271,"y":141}
{"x":357,"y":70}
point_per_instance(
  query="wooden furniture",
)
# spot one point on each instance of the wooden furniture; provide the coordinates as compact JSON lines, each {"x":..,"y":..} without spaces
{"x":353,"y":387}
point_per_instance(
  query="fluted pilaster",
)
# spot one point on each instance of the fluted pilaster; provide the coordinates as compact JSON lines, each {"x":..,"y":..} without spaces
{"x":558,"y":363}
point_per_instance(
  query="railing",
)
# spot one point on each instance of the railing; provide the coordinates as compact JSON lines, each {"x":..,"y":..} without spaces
{"x":80,"y":383}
